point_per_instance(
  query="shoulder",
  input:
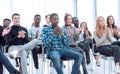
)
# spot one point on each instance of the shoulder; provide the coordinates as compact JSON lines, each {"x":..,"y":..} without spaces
{"x":1,"y":27}
{"x":64,"y":30}
{"x":47,"y":28}
{"x":94,"y":32}
{"x":73,"y":27}
{"x":23,"y":28}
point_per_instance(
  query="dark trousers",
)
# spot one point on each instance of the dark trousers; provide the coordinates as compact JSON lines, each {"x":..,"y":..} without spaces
{"x":85,"y":45}
{"x":4,"y":61}
{"x":78,"y":49}
{"x":35,"y":52}
{"x":110,"y":50}
{"x":116,"y":43}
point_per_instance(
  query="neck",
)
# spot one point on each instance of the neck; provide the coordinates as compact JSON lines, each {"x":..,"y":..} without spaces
{"x":36,"y":25}
{"x":110,"y":26}
{"x":54,"y":26}
{"x":16,"y":25}
{"x":47,"y":23}
{"x":67,"y":25}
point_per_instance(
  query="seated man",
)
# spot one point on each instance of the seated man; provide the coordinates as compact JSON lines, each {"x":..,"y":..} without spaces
{"x":56,"y":42}
{"x":18,"y":42}
{"x":3,"y":60}
{"x":34,"y":33}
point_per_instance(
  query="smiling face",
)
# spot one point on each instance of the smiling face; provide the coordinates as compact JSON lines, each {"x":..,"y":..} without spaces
{"x":37,"y":20}
{"x":75,"y":21}
{"x":16,"y":20}
{"x":111,"y":20}
{"x":6,"y":23}
{"x":54,"y":18}
{"x":47,"y":19}
{"x":100,"y":23}
{"x":83,"y":25}
{"x":69,"y":20}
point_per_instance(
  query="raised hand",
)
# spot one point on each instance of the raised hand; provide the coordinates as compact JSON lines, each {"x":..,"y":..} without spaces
{"x":5,"y":31}
{"x":107,"y":31}
{"x":58,"y":31}
{"x":37,"y":34}
{"x":21,"y":34}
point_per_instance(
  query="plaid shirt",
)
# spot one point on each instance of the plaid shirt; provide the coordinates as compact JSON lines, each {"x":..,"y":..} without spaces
{"x":54,"y":42}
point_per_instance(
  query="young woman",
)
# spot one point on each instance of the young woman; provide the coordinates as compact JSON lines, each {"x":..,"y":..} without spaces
{"x":85,"y":39}
{"x":73,"y":36}
{"x":114,"y":30}
{"x":103,"y":41}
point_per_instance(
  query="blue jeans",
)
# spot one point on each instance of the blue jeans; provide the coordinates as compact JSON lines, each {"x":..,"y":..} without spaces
{"x":56,"y":56}
{"x":4,"y":61}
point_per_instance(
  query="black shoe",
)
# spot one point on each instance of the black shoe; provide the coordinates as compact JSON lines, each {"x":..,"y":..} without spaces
{"x":16,"y":72}
{"x":98,"y":63}
{"x":85,"y":72}
{"x":17,"y":65}
{"x":51,"y":64}
{"x":88,"y":62}
{"x":36,"y":67}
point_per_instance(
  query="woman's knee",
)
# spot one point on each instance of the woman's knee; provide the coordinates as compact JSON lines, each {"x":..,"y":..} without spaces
{"x":116,"y":48}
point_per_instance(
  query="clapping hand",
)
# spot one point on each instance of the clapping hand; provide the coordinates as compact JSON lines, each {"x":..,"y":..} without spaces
{"x":37,"y":34}
{"x":21,"y":34}
{"x":107,"y":31}
{"x":78,"y":30}
{"x":58,"y":31}
{"x":5,"y":31}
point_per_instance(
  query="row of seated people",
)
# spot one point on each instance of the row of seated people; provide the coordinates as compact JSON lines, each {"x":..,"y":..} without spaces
{"x":106,"y":40}
{"x":18,"y":42}
{"x":55,"y":40}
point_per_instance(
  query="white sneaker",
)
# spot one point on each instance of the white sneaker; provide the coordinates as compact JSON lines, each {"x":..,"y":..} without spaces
{"x":117,"y":70}
{"x":98,"y":63}
{"x":90,"y":67}
{"x":13,"y":54}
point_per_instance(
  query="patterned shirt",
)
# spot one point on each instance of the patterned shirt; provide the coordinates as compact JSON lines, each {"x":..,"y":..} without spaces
{"x":54,"y":42}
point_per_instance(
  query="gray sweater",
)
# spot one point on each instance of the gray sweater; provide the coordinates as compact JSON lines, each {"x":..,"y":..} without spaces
{"x":73,"y":37}
{"x":104,"y":40}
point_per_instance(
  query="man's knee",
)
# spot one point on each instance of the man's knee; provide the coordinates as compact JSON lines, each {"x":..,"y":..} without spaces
{"x":79,"y":56}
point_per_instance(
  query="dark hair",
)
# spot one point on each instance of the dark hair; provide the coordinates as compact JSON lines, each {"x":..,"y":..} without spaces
{"x":65,"y":17}
{"x":47,"y":15}
{"x":74,"y":19}
{"x":82,"y":23}
{"x":86,"y":30}
{"x":53,"y":14}
{"x":37,"y":15}
{"x":15,"y":15}
{"x":6,"y":19}
{"x":108,"y":24}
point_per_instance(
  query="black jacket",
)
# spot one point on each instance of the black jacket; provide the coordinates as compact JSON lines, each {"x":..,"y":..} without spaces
{"x":1,"y":38}
{"x":12,"y":36}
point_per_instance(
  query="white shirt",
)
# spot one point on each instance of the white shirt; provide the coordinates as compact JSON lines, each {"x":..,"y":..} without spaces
{"x":32,"y":33}
{"x":81,"y":37}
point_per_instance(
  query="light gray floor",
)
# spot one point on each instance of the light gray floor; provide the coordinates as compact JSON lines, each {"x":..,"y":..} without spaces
{"x":107,"y":67}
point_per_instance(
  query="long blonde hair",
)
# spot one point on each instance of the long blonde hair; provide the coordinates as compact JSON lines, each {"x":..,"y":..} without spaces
{"x":99,"y":28}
